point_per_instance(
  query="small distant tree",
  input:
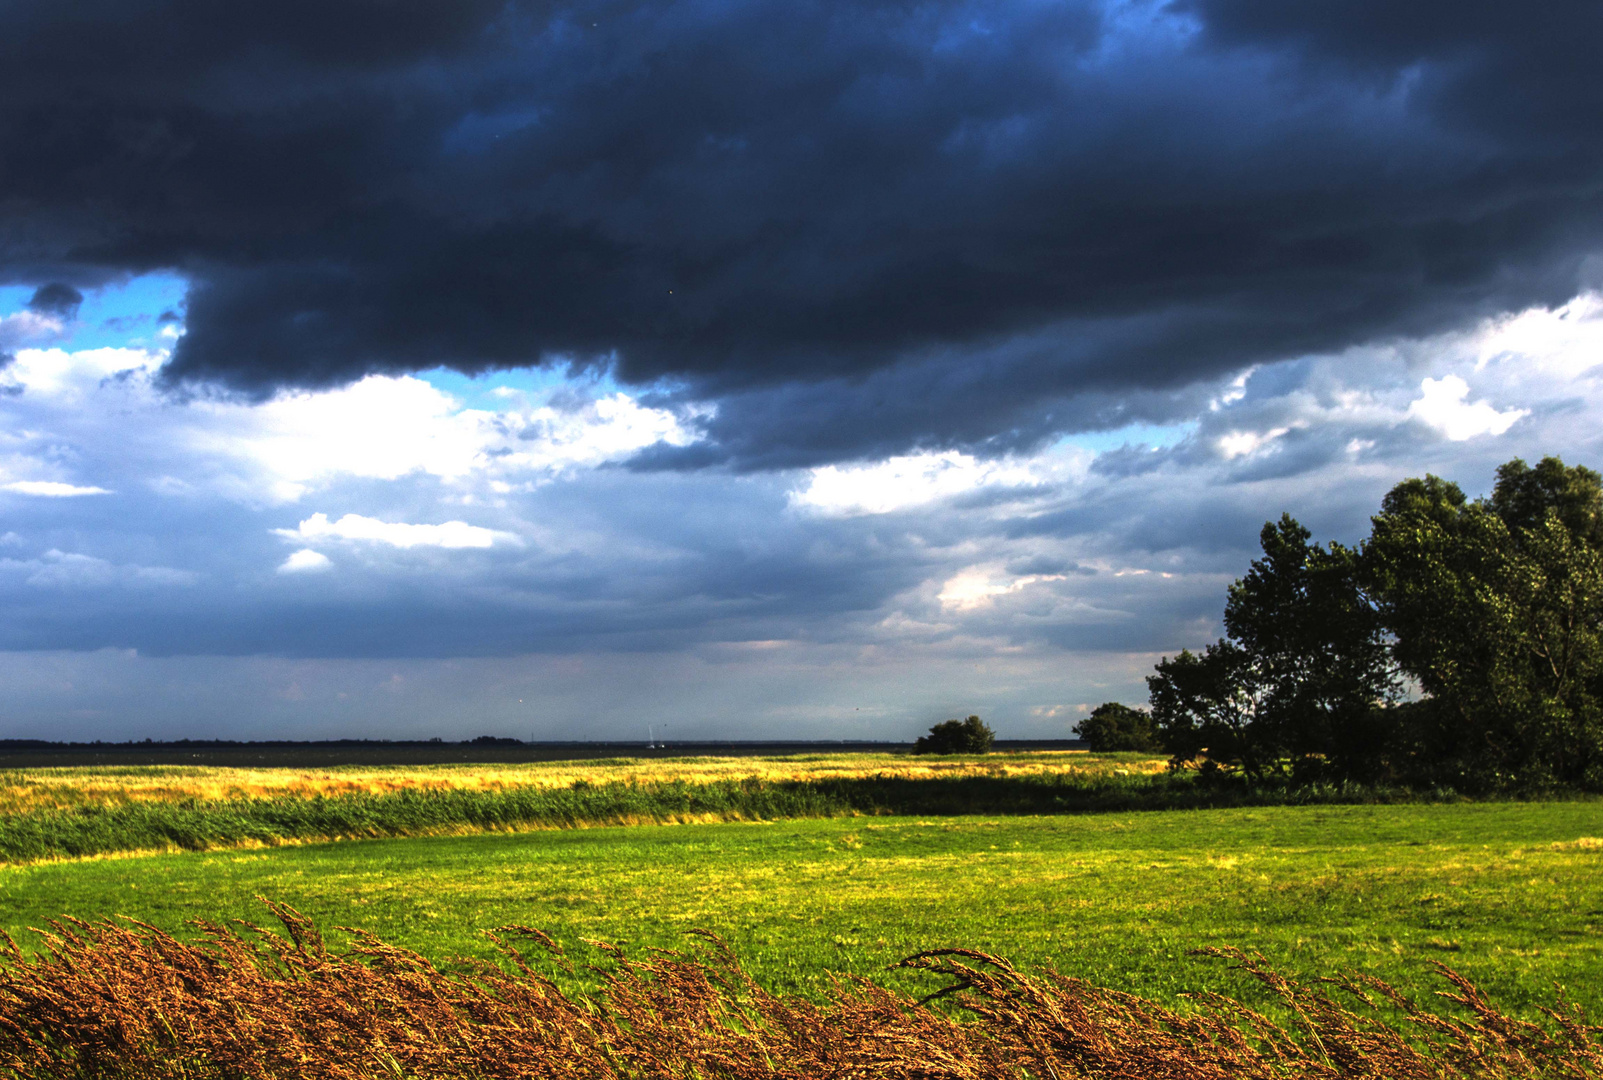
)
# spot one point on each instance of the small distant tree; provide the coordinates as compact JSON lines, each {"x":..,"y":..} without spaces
{"x":971,"y":736}
{"x":1115,"y":726}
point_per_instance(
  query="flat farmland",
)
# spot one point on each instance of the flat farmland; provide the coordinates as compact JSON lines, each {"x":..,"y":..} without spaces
{"x":1509,"y":893}
{"x":29,"y":790}
{"x":54,"y":813}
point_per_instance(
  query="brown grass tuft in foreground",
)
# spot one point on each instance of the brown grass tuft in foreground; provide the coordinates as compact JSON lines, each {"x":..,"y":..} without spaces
{"x":127,"y":1000}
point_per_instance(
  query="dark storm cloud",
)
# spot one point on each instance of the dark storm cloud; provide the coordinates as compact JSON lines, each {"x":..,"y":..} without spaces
{"x":56,"y":299}
{"x":859,"y":228}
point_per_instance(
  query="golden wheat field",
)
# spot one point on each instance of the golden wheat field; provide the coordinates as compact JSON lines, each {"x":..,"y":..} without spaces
{"x":22,"y":791}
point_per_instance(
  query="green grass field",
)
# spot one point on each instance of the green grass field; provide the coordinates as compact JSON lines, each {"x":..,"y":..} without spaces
{"x":1510,"y":893}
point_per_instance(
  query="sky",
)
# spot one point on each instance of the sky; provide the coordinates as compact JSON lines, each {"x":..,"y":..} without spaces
{"x":380,"y":368}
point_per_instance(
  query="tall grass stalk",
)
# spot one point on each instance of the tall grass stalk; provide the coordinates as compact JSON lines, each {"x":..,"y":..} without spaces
{"x":127,"y":1000}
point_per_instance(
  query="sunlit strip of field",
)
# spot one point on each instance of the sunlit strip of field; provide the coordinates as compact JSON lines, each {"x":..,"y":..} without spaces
{"x":23,"y":791}
{"x":1509,"y":893}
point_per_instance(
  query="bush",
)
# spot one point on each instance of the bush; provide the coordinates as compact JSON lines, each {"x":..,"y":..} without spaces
{"x":1112,"y":726}
{"x":971,"y":736}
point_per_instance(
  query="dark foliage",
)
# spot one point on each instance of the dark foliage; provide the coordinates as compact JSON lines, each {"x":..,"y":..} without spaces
{"x":971,"y":736}
{"x":1493,"y":608}
{"x":1496,"y":608}
{"x":1113,"y":726}
{"x":1299,"y":675}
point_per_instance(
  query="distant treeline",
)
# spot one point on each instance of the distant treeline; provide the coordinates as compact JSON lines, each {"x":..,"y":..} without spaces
{"x":105,"y":743}
{"x":35,"y":753}
{"x":1460,"y":644}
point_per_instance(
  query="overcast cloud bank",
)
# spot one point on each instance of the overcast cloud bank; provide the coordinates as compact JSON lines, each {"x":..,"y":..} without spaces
{"x":486,"y":552}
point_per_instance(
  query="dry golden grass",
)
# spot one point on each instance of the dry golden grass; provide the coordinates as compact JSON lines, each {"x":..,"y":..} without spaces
{"x":1585,"y":843}
{"x":128,"y":1001}
{"x":61,"y":788}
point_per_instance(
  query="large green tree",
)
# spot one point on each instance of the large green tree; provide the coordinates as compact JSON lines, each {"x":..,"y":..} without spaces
{"x":1299,"y":674}
{"x":1496,"y":609}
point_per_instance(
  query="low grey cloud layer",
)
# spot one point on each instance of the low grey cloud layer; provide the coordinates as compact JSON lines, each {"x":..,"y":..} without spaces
{"x":493,"y":542}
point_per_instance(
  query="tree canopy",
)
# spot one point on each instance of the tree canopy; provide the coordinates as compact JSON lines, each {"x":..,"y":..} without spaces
{"x":1302,"y":667}
{"x":1492,"y":610}
{"x":1496,"y":608}
{"x":971,"y":736}
{"x":1114,"y":726}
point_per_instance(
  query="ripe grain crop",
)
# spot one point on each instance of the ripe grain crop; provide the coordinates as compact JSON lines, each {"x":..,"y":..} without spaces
{"x":122,"y":999}
{"x":198,"y":824}
{"x":29,"y":790}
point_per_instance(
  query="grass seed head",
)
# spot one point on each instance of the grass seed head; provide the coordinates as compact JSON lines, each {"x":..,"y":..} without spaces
{"x":125,"y":999}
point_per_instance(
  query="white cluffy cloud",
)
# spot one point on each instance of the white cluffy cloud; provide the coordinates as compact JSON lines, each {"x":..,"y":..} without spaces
{"x":1236,"y":444}
{"x":305,"y":561}
{"x":381,"y":428}
{"x":51,"y":489}
{"x":979,"y":585}
{"x":386,"y":427}
{"x":1444,"y":405}
{"x":450,"y":534}
{"x":55,"y":377}
{"x":26,"y":326}
{"x":899,"y":483}
{"x":607,"y":429}
{"x":1566,"y":341}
